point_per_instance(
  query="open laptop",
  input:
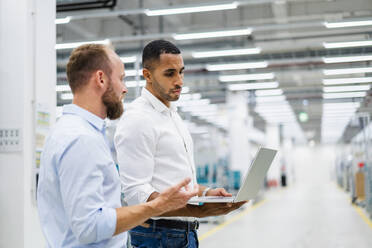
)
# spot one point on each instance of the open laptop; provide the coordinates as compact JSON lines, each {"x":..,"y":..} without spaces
{"x":253,"y":180}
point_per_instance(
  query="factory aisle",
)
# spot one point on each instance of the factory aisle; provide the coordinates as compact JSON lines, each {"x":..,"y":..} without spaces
{"x":312,"y":212}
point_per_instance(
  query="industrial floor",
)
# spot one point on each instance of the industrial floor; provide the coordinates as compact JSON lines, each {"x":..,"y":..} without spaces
{"x":312,"y":212}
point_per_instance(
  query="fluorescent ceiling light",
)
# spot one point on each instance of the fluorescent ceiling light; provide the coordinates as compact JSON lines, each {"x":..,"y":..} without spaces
{"x":347,"y":24}
{"x":346,"y":59}
{"x":347,"y":71}
{"x":194,"y":102}
{"x":129,"y":59}
{"x":65,"y":20}
{"x":272,"y":110}
{"x":329,"y":45}
{"x":67,"y":96}
{"x":191,"y":9}
{"x":221,"y":53}
{"x":63,"y":87}
{"x":270,"y":99}
{"x":253,"y":86}
{"x":338,"y":111}
{"x":344,"y":95}
{"x":76,"y":44}
{"x":269,"y":92}
{"x":213,"y":34}
{"x":346,"y":88}
{"x":246,"y":77}
{"x":236,"y":66}
{"x":334,"y":81}
{"x":131,"y":84}
{"x":275,"y":114}
{"x":341,"y":105}
{"x":188,"y":97}
{"x":131,"y":73}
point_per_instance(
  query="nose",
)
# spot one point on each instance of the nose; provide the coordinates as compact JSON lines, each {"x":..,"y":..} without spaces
{"x":179,"y":80}
{"x":125,"y":89}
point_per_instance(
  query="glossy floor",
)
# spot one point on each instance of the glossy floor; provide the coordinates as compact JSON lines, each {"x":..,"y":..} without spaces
{"x":312,"y":212}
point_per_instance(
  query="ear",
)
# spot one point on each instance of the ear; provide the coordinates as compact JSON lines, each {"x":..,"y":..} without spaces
{"x":100,"y":79}
{"x":147,"y":75}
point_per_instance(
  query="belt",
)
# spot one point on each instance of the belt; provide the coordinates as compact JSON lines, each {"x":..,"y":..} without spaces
{"x":174,"y":224}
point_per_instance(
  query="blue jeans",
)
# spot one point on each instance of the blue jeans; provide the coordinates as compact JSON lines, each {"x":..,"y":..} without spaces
{"x":163,"y":237}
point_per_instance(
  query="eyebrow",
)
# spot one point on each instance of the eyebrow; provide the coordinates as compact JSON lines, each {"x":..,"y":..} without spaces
{"x":172,"y":70}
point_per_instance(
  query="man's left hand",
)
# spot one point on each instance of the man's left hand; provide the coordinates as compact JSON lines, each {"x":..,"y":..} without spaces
{"x":218,"y":192}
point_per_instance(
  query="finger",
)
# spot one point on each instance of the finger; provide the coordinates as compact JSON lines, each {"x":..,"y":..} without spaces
{"x":183,"y":183}
{"x":193,"y":192}
{"x":225,"y":193}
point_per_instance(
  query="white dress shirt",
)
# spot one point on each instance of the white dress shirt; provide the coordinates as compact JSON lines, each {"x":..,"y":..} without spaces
{"x":154,"y":149}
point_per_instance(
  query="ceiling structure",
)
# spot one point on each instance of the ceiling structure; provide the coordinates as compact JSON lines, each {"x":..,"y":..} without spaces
{"x":291,"y":49}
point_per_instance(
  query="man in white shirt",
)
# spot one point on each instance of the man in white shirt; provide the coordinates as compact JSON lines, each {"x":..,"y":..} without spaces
{"x":155,"y":149}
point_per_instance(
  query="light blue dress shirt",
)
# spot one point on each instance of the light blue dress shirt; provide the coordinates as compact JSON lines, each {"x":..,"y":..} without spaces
{"x":79,"y":185}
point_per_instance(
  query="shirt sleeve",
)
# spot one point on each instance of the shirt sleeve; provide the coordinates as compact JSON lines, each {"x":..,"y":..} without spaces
{"x":81,"y":181}
{"x":135,"y":143}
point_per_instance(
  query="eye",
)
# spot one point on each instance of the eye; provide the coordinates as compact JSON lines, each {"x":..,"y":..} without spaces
{"x":169,"y":74}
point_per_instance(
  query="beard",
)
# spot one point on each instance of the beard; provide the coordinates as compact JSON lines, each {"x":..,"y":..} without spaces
{"x":113,"y":104}
{"x":164,"y":94}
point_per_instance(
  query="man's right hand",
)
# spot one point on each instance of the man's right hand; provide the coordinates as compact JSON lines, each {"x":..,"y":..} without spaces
{"x":174,"y":197}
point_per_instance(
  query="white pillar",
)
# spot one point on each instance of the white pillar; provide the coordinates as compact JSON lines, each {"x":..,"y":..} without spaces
{"x":238,"y":131}
{"x":273,"y":141}
{"x":28,"y":70}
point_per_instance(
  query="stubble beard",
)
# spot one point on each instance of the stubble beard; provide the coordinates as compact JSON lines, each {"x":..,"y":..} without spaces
{"x":163,"y":94}
{"x":113,"y":104}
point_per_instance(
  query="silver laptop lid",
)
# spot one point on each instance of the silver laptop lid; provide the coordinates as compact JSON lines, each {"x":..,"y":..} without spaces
{"x":254,"y":178}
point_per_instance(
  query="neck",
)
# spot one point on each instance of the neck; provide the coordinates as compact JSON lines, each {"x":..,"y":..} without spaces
{"x":86,"y":102}
{"x":153,"y":92}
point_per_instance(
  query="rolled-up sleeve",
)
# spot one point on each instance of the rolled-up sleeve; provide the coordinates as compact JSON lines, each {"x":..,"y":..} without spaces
{"x":135,"y":143}
{"x":81,"y":179}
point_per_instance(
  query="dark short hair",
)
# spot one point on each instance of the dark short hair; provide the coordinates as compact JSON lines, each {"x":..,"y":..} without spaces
{"x":84,"y":60}
{"x":152,"y":51}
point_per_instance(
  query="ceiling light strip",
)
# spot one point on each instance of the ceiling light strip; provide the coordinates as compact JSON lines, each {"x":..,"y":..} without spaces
{"x":236,"y":66}
{"x":346,"y":59}
{"x":335,"y":81}
{"x":347,"y":24}
{"x":222,"y":53}
{"x":330,"y":45}
{"x":246,"y":77}
{"x":330,"y":72}
{"x":213,"y":34}
{"x":191,"y":9}
{"x":76,"y":44}
{"x":344,"y":95}
{"x":346,"y":88}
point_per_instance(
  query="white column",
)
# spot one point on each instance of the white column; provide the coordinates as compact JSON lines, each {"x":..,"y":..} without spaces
{"x":273,"y":141}
{"x":28,"y":70}
{"x":238,"y":131}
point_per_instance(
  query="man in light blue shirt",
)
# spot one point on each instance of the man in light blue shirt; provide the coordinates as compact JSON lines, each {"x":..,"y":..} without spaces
{"x":79,"y":186}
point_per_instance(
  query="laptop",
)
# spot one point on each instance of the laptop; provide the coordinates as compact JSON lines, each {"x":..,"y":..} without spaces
{"x":252,"y":183}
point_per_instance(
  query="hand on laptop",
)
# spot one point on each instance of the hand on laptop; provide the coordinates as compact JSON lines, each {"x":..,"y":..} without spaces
{"x":218,"y":192}
{"x":214,"y":209}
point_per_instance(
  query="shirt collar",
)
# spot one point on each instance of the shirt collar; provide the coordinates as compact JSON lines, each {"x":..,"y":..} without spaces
{"x":156,"y":103}
{"x":93,"y":119}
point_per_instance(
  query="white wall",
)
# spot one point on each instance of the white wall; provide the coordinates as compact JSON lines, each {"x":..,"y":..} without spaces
{"x":28,"y":70}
